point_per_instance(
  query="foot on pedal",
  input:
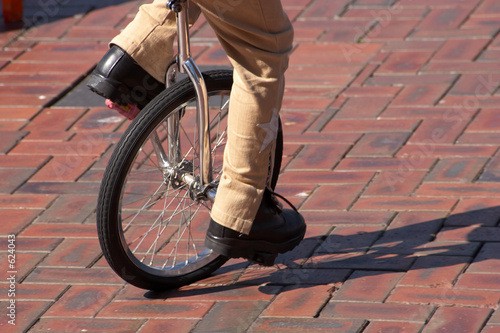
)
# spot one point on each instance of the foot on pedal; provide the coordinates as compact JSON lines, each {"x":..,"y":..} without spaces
{"x":129,"y":111}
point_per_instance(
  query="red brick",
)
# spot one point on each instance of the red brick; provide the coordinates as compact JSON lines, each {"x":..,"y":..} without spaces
{"x":393,"y":29}
{"x":109,"y":16}
{"x":361,"y":260}
{"x":421,"y":225}
{"x":18,"y":219}
{"x":377,"y":311}
{"x":395,"y":183}
{"x":32,"y":244}
{"x":474,"y":233}
{"x":435,"y":271}
{"x":456,"y":170}
{"x":26,"y":201}
{"x":55,"y":29}
{"x":486,"y":260}
{"x":196,"y":293}
{"x":488,"y":8}
{"x":67,"y":230}
{"x":25,"y":262}
{"x":404,"y":203}
{"x":370,"y":125}
{"x":61,"y":79}
{"x":318,"y":157}
{"x":472,"y":102}
{"x":347,"y":218}
{"x":74,"y":253}
{"x":156,"y":309}
{"x":441,"y":4}
{"x":324,"y":177}
{"x":306,"y":103}
{"x":495,"y":318}
{"x":457,"y":319}
{"x":463,"y":248}
{"x":328,"y":78}
{"x":91,"y":33}
{"x":444,"y":18}
{"x":307,"y":325}
{"x":170,"y":325}
{"x":484,"y":281}
{"x":332,"y":197}
{"x":367,"y":286}
{"x":404,"y":79}
{"x":298,"y":302}
{"x":491,"y":329}
{"x":86,"y":301}
{"x":9,"y":139}
{"x":325,"y":8}
{"x":463,"y":68}
{"x":42,"y":292}
{"x":64,"y":148}
{"x":385,"y":164}
{"x":64,"y":169}
{"x":52,"y":119}
{"x":380,"y":326}
{"x":74,"y":276}
{"x":445,"y":296}
{"x":469,"y":211}
{"x":292,"y":276}
{"x":350,"y":239}
{"x":347,"y":32}
{"x":485,"y":121}
{"x":459,"y":190}
{"x":375,"y":92}
{"x":487,"y":138}
{"x":30,"y":311}
{"x":404,"y":62}
{"x":75,"y":324}
{"x":14,"y":178}
{"x":460,"y":50}
{"x":420,"y":95}
{"x":431,"y":149}
{"x":48,"y":68}
{"x":362,"y":107}
{"x":439,"y":131}
{"x":379,"y":144}
{"x":476,"y":85}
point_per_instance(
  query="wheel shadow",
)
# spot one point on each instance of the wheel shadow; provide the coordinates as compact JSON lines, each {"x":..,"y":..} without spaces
{"x":457,"y":239}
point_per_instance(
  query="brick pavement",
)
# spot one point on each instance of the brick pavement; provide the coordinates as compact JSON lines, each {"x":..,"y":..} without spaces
{"x":392,"y":135}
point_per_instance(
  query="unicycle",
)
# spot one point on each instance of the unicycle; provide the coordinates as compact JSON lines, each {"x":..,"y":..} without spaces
{"x":161,"y":180}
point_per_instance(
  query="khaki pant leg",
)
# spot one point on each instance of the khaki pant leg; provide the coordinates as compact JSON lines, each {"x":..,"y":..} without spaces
{"x":257,"y":37}
{"x":149,"y":38}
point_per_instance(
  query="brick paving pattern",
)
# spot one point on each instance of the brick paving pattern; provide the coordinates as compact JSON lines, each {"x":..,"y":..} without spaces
{"x":392,"y":133}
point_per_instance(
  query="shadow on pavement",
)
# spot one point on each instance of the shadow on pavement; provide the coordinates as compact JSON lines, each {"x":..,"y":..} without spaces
{"x":463,"y":238}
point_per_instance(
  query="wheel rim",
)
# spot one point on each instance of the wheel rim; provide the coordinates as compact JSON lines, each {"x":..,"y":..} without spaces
{"x":162,"y":227}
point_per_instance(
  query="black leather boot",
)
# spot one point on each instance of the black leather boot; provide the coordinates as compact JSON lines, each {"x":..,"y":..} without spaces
{"x":119,"y":78}
{"x":274,"y":230}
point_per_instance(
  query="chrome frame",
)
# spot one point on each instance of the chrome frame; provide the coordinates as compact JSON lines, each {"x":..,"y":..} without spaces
{"x":186,"y":65}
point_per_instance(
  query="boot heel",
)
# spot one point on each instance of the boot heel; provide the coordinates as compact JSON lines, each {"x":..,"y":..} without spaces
{"x":265,"y":258}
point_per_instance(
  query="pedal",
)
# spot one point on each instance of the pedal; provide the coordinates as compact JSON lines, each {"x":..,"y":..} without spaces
{"x":265,"y":258}
{"x":130,"y":111}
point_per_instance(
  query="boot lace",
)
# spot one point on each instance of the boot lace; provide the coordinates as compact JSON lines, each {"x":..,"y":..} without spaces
{"x":277,"y":205}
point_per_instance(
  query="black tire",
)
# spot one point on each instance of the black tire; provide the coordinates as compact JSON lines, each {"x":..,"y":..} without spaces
{"x":139,"y":203}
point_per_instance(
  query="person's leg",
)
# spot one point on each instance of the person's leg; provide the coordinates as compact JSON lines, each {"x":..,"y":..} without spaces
{"x":132,"y":72}
{"x":257,"y":37}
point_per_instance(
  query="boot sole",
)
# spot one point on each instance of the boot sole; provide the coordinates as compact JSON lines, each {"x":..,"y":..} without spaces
{"x":108,"y":88}
{"x":261,"y":252}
